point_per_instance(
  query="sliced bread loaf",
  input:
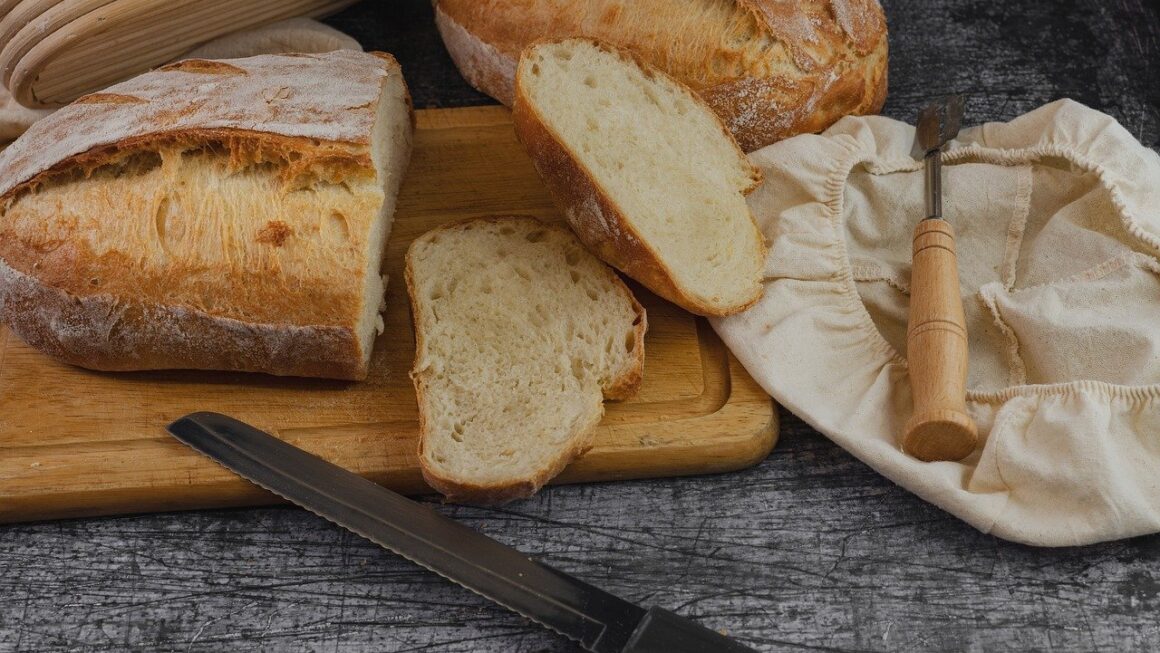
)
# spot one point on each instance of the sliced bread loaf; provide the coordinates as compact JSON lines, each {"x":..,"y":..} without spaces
{"x":226,"y":214}
{"x":520,"y":335}
{"x":647,"y":175}
{"x":769,"y":68}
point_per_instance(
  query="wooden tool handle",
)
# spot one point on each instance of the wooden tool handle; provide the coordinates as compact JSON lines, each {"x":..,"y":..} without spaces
{"x":936,"y":341}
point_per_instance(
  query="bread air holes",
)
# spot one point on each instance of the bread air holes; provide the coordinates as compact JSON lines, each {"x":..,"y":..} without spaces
{"x":630,"y":340}
{"x":457,"y":430}
{"x":507,"y":230}
{"x":536,"y":236}
{"x":590,"y":81}
{"x":338,"y":225}
{"x":571,"y":256}
{"x":161,"y":218}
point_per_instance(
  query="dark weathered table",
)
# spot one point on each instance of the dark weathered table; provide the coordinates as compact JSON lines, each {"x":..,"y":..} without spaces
{"x":811,"y":549}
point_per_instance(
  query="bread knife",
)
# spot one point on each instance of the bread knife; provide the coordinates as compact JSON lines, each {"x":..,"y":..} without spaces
{"x":599,"y":621}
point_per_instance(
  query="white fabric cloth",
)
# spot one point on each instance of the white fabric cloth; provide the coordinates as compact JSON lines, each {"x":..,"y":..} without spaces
{"x":1057,"y":215}
{"x":291,"y":35}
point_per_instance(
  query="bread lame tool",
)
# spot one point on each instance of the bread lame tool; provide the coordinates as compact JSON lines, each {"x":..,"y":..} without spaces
{"x":936,"y":331}
{"x":596,"y":619}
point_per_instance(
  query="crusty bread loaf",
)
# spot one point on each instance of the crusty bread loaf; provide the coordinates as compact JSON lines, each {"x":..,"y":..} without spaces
{"x":648,"y":177}
{"x":519,"y":334}
{"x":210,"y":214}
{"x":769,"y":68}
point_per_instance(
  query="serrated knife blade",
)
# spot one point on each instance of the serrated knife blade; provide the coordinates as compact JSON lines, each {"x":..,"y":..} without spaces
{"x":599,"y":621}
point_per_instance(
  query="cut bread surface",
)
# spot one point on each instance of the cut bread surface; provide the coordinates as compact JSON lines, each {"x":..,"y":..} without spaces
{"x":228,"y":238}
{"x":520,"y":335}
{"x":659,"y":186}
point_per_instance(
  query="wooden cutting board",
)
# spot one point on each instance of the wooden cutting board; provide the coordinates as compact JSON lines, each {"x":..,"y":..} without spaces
{"x":77,"y":443}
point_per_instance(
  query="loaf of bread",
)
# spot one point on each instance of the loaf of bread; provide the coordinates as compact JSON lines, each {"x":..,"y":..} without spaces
{"x":770,"y":68}
{"x":225,"y":215}
{"x":520,"y":334}
{"x":647,"y":175}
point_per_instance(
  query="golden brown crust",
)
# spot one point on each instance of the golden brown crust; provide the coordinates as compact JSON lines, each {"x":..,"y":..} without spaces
{"x":771,"y":69}
{"x":108,"y":310}
{"x":620,"y":388}
{"x":590,"y":210}
{"x":109,"y":333}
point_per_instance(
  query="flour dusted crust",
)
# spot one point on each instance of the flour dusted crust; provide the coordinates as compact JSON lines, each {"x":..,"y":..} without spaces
{"x":770,"y":68}
{"x":314,"y":114}
{"x":284,"y":101}
{"x":483,"y":64}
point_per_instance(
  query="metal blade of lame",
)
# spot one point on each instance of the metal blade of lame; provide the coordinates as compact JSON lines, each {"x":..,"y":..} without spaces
{"x":939,"y":122}
{"x":599,"y":621}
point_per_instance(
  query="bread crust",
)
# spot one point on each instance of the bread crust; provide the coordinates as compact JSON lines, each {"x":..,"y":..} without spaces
{"x":597,"y":220}
{"x":313,"y":113}
{"x":112,"y":334}
{"x":803,"y":66}
{"x":623,"y":386}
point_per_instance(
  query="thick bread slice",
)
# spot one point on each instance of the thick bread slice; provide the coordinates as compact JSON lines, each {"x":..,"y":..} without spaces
{"x":210,"y":214}
{"x":769,"y":68}
{"x":519,"y":336}
{"x":649,"y":178}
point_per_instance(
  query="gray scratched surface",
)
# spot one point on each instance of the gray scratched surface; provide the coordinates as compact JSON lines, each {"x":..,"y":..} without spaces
{"x":809,"y":550}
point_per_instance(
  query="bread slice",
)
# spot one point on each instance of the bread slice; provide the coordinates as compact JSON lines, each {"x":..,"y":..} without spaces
{"x":520,"y":334}
{"x":647,"y":175}
{"x":226,"y":214}
{"x":769,"y":68}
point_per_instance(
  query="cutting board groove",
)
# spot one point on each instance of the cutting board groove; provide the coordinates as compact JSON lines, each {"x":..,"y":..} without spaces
{"x":78,"y":443}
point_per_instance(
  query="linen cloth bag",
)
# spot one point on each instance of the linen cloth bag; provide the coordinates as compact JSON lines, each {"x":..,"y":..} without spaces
{"x":1057,"y":215}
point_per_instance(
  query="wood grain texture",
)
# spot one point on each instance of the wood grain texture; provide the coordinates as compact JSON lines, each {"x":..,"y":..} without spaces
{"x":108,"y":453}
{"x":810,"y":550}
{"x":936,"y":345}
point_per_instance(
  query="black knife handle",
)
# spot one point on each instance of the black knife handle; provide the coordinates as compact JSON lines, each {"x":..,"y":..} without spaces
{"x":662,"y":631}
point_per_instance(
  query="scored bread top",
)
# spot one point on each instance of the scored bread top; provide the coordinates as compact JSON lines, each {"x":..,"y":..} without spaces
{"x":319,"y":104}
{"x":769,"y":68}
